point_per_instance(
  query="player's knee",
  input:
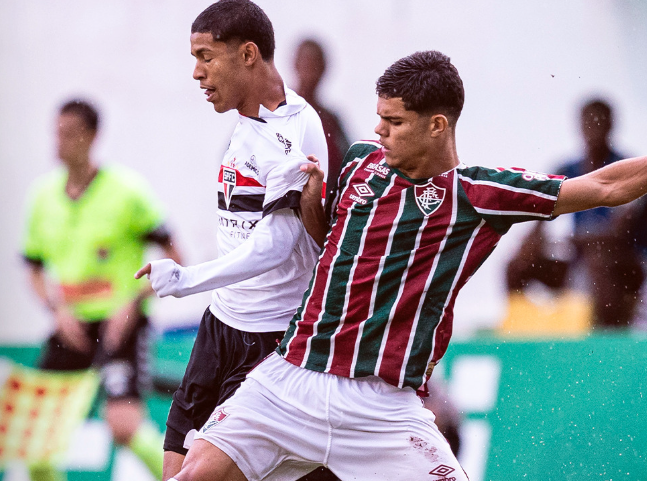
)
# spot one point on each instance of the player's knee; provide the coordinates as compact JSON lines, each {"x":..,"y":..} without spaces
{"x":124,"y":418}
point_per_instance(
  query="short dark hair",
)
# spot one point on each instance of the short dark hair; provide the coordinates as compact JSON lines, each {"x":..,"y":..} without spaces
{"x":83,"y":109}
{"x":427,"y":82}
{"x":237,"y":20}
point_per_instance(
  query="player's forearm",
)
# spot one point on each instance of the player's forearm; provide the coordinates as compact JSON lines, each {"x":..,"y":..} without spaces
{"x":623,"y":181}
{"x":39,"y":286}
{"x":269,"y":246}
{"x":314,"y":221}
{"x":172,"y":464}
{"x":313,"y":214}
{"x":610,"y":186}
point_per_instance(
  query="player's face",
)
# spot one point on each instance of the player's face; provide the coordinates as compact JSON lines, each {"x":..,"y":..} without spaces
{"x":404,"y":134}
{"x":219,"y":68}
{"x":74,"y":139}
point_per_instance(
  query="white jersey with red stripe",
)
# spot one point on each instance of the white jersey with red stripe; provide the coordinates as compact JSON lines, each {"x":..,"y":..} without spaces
{"x":259,"y":175}
{"x":381,"y":300}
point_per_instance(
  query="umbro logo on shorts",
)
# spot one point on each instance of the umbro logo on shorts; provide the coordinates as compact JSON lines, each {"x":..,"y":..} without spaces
{"x":443,"y":470}
{"x":216,"y":418}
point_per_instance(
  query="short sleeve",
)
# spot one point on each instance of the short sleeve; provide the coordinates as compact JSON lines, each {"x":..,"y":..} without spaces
{"x":284,"y":183}
{"x":145,"y":211}
{"x":503,"y":197}
{"x":147,"y":214}
{"x":33,"y":247}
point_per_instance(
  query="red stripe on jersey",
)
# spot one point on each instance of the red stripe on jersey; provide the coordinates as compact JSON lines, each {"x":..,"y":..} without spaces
{"x":407,"y":309}
{"x":483,"y":196}
{"x":313,"y":307}
{"x":298,"y":345}
{"x":482,"y":245}
{"x":241,"y":179}
{"x":363,"y":281}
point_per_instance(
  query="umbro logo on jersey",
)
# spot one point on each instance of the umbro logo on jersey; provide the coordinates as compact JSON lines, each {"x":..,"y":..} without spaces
{"x":286,"y":143}
{"x":429,"y":197}
{"x":228,"y":183}
{"x":363,"y":190}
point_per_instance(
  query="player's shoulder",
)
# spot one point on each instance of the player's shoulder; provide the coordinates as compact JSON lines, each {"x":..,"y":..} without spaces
{"x":123,"y":176}
{"x":125,"y":183}
{"x":361,"y":149}
{"x":481,"y":172}
{"x":48,"y":183}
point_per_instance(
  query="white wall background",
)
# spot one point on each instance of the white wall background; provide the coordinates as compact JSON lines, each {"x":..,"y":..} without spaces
{"x":527,"y":66}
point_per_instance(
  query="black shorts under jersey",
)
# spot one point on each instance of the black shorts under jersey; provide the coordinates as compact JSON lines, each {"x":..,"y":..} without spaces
{"x":220,"y":360}
{"x":124,"y":372}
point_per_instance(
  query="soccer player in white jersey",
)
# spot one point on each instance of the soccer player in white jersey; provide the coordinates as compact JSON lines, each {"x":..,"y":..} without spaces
{"x":412,"y":225}
{"x":266,"y":255}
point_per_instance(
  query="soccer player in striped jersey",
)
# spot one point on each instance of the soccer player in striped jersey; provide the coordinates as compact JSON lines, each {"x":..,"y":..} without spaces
{"x":413,"y":223}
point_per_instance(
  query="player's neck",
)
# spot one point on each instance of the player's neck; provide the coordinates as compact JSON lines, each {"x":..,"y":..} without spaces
{"x":266,"y":89}
{"x":434,"y":163}
{"x":80,"y":176}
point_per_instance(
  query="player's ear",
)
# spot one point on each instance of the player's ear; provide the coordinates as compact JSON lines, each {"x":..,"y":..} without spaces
{"x":438,"y":124}
{"x":250,"y":53}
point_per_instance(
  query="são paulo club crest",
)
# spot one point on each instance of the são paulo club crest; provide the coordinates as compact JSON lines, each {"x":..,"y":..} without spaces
{"x":429,"y":197}
{"x":228,"y":183}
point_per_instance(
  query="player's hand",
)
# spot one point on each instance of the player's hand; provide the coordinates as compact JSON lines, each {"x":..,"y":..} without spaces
{"x":71,"y":330}
{"x":313,"y":189}
{"x":144,"y":271}
{"x":166,"y":276}
{"x":120,"y":325}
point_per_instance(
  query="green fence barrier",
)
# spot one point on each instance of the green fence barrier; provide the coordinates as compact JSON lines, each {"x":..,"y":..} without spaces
{"x":537,"y":410}
{"x":563,"y":410}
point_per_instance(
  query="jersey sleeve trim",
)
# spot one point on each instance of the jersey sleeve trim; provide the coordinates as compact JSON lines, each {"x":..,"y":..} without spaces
{"x":290,"y":200}
{"x":33,"y":260}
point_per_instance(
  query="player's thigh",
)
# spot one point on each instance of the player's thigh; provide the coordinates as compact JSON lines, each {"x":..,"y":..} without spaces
{"x":125,"y":372}
{"x":391,"y":449}
{"x":265,"y":435}
{"x":206,"y":462}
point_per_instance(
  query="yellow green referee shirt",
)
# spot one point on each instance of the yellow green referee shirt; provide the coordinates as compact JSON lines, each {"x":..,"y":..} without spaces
{"x":91,"y":247}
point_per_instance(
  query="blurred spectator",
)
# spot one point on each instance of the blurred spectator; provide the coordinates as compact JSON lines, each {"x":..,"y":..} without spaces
{"x":606,"y":263}
{"x":539,"y":259}
{"x":87,"y":231}
{"x":310,"y":65}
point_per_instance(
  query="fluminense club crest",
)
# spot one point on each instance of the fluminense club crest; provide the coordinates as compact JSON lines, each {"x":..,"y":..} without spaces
{"x":228,"y":183}
{"x":429,"y":197}
{"x":216,"y":418}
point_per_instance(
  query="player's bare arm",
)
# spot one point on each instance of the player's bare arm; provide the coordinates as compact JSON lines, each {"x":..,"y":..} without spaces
{"x":312,"y":211}
{"x":67,"y":326}
{"x":610,"y":186}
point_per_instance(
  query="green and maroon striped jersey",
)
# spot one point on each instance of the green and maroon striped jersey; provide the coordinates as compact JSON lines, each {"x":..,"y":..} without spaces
{"x":382,"y":295}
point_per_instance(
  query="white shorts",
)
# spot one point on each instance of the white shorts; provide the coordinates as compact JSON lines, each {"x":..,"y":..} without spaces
{"x":284,"y":421}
